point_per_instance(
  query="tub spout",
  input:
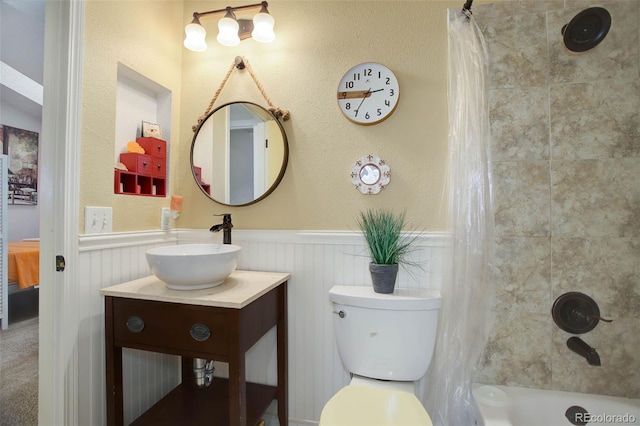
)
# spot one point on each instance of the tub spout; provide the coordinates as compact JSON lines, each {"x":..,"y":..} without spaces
{"x":578,"y":345}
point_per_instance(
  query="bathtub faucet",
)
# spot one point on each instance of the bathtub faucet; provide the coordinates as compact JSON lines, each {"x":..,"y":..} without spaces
{"x":226,"y":225}
{"x":578,"y":345}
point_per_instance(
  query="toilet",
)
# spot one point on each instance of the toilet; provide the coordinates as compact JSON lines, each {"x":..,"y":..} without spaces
{"x":386,"y":342}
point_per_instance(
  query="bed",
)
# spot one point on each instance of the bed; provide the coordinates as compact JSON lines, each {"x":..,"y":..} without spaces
{"x":24,"y":264}
{"x":23,"y":275}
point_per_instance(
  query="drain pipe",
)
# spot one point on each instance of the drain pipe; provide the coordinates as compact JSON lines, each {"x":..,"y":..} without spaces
{"x":203,"y":371}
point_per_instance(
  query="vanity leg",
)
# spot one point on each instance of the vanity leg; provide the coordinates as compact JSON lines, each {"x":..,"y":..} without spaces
{"x":237,"y":375}
{"x":113,"y":358}
{"x":282,"y":349}
{"x":237,"y":387}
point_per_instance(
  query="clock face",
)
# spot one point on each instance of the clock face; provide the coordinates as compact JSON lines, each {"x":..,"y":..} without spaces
{"x":368,"y":93}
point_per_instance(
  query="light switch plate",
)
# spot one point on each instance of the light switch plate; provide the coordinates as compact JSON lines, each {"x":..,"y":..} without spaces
{"x":165,"y":219}
{"x":98,"y":220}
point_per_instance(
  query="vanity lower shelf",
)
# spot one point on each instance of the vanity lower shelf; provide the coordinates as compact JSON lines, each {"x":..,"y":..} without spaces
{"x":189,"y":405}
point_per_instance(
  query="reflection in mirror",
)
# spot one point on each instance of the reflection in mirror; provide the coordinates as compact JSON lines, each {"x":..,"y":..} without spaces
{"x":370,"y":174}
{"x":239,"y":154}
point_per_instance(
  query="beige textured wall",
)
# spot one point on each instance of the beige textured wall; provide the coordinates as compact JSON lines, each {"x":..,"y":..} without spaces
{"x":317,"y":42}
{"x":141,"y":35}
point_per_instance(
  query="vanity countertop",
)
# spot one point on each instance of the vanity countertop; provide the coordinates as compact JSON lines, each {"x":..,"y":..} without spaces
{"x":237,"y":291}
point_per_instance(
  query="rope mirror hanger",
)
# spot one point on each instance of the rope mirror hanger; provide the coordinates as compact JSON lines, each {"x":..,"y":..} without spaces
{"x":242,"y":63}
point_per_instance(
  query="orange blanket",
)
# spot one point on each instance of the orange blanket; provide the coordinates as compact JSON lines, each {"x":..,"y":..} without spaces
{"x":24,"y":263}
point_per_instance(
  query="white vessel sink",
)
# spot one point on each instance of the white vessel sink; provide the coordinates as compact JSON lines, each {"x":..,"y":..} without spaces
{"x":193,"y":266}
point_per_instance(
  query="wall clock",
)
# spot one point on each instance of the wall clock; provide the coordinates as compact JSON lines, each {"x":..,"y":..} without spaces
{"x":368,"y":93}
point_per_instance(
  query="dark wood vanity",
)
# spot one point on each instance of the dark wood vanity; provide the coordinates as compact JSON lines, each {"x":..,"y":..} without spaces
{"x":144,"y":314}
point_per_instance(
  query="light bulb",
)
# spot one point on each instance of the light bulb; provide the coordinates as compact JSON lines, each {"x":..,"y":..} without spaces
{"x":194,"y":39}
{"x":228,"y":32}
{"x":263,"y":27}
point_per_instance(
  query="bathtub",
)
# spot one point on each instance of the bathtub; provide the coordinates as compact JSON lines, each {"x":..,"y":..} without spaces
{"x":513,"y":406}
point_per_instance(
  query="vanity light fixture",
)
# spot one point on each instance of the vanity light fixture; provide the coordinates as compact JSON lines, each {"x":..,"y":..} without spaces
{"x":230,"y":29}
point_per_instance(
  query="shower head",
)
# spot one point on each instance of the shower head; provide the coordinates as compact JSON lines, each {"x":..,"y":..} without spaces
{"x":587,"y":29}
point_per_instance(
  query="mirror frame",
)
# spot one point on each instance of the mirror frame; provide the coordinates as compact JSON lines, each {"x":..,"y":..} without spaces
{"x":283,"y":167}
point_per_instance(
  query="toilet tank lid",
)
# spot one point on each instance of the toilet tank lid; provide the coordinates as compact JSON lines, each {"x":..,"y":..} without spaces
{"x":401,"y":299}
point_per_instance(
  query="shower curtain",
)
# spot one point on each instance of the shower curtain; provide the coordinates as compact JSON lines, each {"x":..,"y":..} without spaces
{"x":467,"y":295}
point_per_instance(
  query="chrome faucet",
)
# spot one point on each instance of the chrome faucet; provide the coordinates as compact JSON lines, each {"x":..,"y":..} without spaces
{"x":226,"y":226}
{"x":579,"y":346}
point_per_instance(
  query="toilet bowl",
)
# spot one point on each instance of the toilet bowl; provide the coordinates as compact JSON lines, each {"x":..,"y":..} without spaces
{"x":386,"y":341}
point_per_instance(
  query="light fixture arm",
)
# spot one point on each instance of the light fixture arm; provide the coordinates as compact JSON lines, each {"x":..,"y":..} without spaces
{"x":197,"y":15}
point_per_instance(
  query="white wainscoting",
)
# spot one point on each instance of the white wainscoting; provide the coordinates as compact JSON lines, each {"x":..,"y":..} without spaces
{"x":105,"y":260}
{"x":316,"y":261}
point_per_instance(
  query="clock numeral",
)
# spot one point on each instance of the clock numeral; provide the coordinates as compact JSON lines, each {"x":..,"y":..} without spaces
{"x":347,"y":105}
{"x":391,"y":92}
{"x":388,"y":80}
{"x":379,"y":112}
{"x":387,"y":102}
{"x":356,"y":76}
{"x":367,"y":116}
{"x":349,"y":84}
{"x":367,"y":71}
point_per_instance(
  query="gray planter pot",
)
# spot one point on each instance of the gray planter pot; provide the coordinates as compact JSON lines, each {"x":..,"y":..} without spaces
{"x":383,"y":277}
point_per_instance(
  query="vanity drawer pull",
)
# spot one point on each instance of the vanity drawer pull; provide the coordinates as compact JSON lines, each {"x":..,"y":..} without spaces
{"x":200,"y":332}
{"x":135,"y":324}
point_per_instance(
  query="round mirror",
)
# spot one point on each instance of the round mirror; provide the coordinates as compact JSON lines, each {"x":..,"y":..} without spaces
{"x":370,"y":174}
{"x":239,"y":154}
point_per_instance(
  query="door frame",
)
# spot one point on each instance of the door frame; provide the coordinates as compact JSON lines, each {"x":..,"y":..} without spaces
{"x":59,"y":222}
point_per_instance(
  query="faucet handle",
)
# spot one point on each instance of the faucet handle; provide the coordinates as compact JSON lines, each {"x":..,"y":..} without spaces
{"x":598,"y":317}
{"x":576,"y":313}
{"x":226,"y":217}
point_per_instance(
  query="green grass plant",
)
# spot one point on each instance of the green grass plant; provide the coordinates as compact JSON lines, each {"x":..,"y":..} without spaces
{"x":382,"y":230}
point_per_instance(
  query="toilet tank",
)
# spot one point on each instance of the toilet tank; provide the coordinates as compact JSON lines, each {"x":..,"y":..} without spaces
{"x":385,"y":336}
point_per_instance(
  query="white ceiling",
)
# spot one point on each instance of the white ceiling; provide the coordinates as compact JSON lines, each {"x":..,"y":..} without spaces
{"x":22,"y":48}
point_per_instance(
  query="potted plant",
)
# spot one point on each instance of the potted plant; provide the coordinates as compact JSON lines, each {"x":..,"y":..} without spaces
{"x":388,"y":248}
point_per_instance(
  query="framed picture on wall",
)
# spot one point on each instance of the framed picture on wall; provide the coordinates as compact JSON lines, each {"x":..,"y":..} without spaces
{"x":22,"y":148}
{"x":151,"y":130}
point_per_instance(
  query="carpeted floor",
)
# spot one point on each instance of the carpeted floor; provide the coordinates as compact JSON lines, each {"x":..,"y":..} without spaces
{"x":19,"y":374}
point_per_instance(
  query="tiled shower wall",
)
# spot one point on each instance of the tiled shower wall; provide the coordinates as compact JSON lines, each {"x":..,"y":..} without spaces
{"x":566,"y":151}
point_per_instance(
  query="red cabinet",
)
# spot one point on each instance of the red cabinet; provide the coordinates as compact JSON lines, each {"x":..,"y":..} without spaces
{"x":153,"y":146}
{"x":146,"y":173}
{"x":138,"y":163}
